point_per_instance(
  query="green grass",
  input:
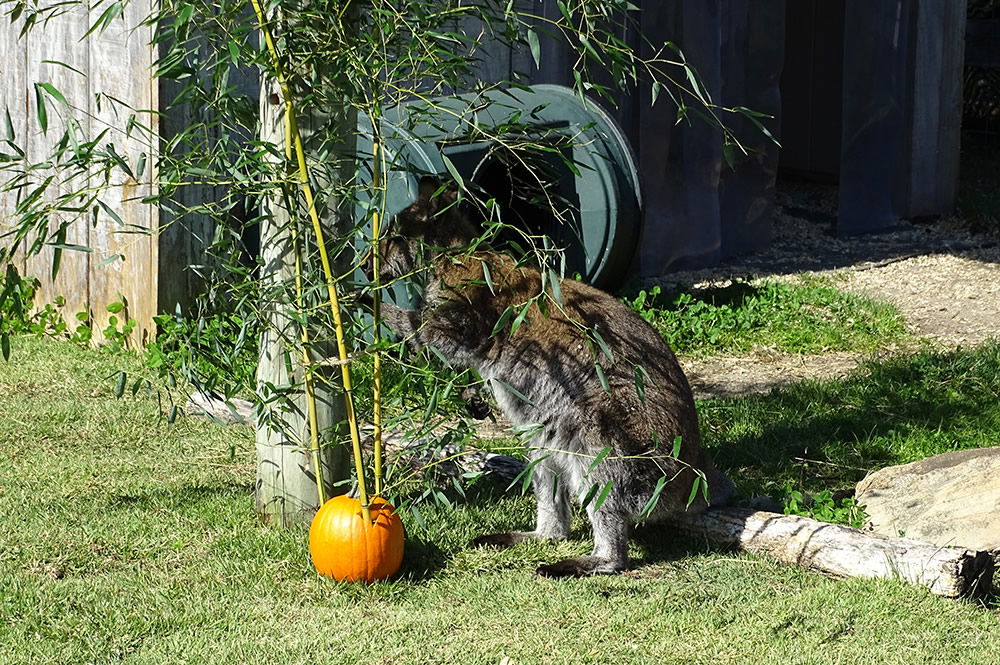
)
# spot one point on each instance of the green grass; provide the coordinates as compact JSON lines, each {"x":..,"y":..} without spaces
{"x":809,"y":316}
{"x":827,"y":434}
{"x":126,"y":539}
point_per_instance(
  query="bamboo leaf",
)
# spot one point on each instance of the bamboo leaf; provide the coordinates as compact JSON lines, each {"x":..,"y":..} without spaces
{"x":603,"y":345}
{"x":519,"y":319}
{"x":5,"y":345}
{"x":54,"y":93}
{"x":654,"y":499}
{"x":554,"y":284}
{"x":676,"y":451}
{"x":513,"y":391}
{"x":111,"y":213}
{"x":120,"y":388}
{"x":9,"y":125}
{"x":41,"y":114}
{"x":63,"y":64}
{"x":598,"y":459}
{"x":602,"y":378}
{"x":694,"y":490}
{"x":453,"y":171}
{"x":488,"y":277}
{"x":534,"y":47}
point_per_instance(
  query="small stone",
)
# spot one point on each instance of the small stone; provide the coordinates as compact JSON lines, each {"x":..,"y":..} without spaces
{"x":948,"y":499}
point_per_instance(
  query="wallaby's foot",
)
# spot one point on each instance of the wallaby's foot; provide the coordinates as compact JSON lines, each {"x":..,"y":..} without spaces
{"x":501,"y":540}
{"x":582,"y":566}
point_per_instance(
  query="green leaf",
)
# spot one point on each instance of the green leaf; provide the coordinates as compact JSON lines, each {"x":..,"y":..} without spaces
{"x":453,"y":171}
{"x":554,"y":285}
{"x":42,"y":114}
{"x":488,"y":277}
{"x":604,"y":347}
{"x":63,"y":64}
{"x":513,"y":391}
{"x":172,"y":414}
{"x":676,"y":451}
{"x":599,"y":501}
{"x":519,"y":319}
{"x":5,"y":345}
{"x":111,"y":213}
{"x":111,"y":259}
{"x":54,"y":93}
{"x":104,"y":20}
{"x":116,"y":307}
{"x":653,"y":500}
{"x":120,"y":388}
{"x":9,"y":125}
{"x":534,"y":47}
{"x":602,"y":378}
{"x":57,"y":252}
{"x":526,"y":473}
{"x":694,"y":490}
{"x":598,"y":459}
{"x":640,"y":377}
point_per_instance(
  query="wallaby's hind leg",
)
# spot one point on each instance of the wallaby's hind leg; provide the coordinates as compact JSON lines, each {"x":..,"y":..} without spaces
{"x":610,"y":555}
{"x":554,"y":513}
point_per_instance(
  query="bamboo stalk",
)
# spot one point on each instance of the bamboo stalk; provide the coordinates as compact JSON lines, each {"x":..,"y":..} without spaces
{"x":306,"y":358}
{"x":377,"y":314}
{"x":294,"y":138}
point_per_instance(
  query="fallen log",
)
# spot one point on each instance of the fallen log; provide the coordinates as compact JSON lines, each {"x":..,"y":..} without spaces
{"x":414,"y":454}
{"x":841,"y":551}
{"x":231,"y":412}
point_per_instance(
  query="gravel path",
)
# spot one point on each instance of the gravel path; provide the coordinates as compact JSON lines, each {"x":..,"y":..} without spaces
{"x":946,"y":284}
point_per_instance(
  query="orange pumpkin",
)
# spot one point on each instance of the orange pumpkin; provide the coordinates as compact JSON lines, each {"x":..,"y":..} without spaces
{"x":347,"y":549}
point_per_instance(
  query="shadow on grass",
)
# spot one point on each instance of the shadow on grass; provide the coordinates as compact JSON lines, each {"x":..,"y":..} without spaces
{"x":180,"y":498}
{"x":828,"y":434}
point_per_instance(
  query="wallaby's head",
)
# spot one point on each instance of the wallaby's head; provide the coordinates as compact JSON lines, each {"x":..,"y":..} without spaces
{"x":429,"y":226}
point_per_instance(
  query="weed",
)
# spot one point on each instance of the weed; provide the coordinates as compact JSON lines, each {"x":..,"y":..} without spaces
{"x":824,"y":507}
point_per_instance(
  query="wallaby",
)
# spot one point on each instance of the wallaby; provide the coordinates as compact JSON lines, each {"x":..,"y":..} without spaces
{"x":606,"y":392}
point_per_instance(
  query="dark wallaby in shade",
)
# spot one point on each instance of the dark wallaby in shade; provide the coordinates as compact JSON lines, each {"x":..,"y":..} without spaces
{"x":546,"y":373}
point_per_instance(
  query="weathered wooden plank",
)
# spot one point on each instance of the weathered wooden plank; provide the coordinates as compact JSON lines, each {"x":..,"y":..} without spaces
{"x":120,"y":60}
{"x":55,"y":42}
{"x":936,"y":107}
{"x":13,"y":92}
{"x":680,"y":165}
{"x":874,"y":151}
{"x":751,"y":69}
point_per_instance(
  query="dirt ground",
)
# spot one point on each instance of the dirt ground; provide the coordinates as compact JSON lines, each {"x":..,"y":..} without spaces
{"x":945,"y":282}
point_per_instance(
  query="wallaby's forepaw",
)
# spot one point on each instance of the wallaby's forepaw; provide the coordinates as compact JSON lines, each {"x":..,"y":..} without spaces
{"x":582,"y":566}
{"x":499,"y":540}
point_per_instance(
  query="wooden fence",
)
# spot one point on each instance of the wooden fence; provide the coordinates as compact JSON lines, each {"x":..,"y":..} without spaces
{"x":122,"y":264}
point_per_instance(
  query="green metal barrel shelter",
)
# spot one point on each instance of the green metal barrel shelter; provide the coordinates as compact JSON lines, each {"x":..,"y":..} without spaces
{"x":589,"y":167}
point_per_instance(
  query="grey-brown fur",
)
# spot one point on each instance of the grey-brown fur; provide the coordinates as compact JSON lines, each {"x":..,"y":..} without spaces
{"x":551,"y":363}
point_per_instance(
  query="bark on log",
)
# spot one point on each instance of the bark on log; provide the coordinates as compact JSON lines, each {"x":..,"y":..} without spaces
{"x":233,"y":412}
{"x":411,"y":453}
{"x":840,"y":551}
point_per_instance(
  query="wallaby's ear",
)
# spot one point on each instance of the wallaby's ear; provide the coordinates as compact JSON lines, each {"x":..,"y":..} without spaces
{"x":428,"y":186}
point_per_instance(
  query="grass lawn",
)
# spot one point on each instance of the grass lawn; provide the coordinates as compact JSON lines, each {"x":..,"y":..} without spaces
{"x":127,"y":539}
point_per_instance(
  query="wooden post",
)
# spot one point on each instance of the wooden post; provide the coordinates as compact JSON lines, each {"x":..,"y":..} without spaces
{"x":285,"y":490}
